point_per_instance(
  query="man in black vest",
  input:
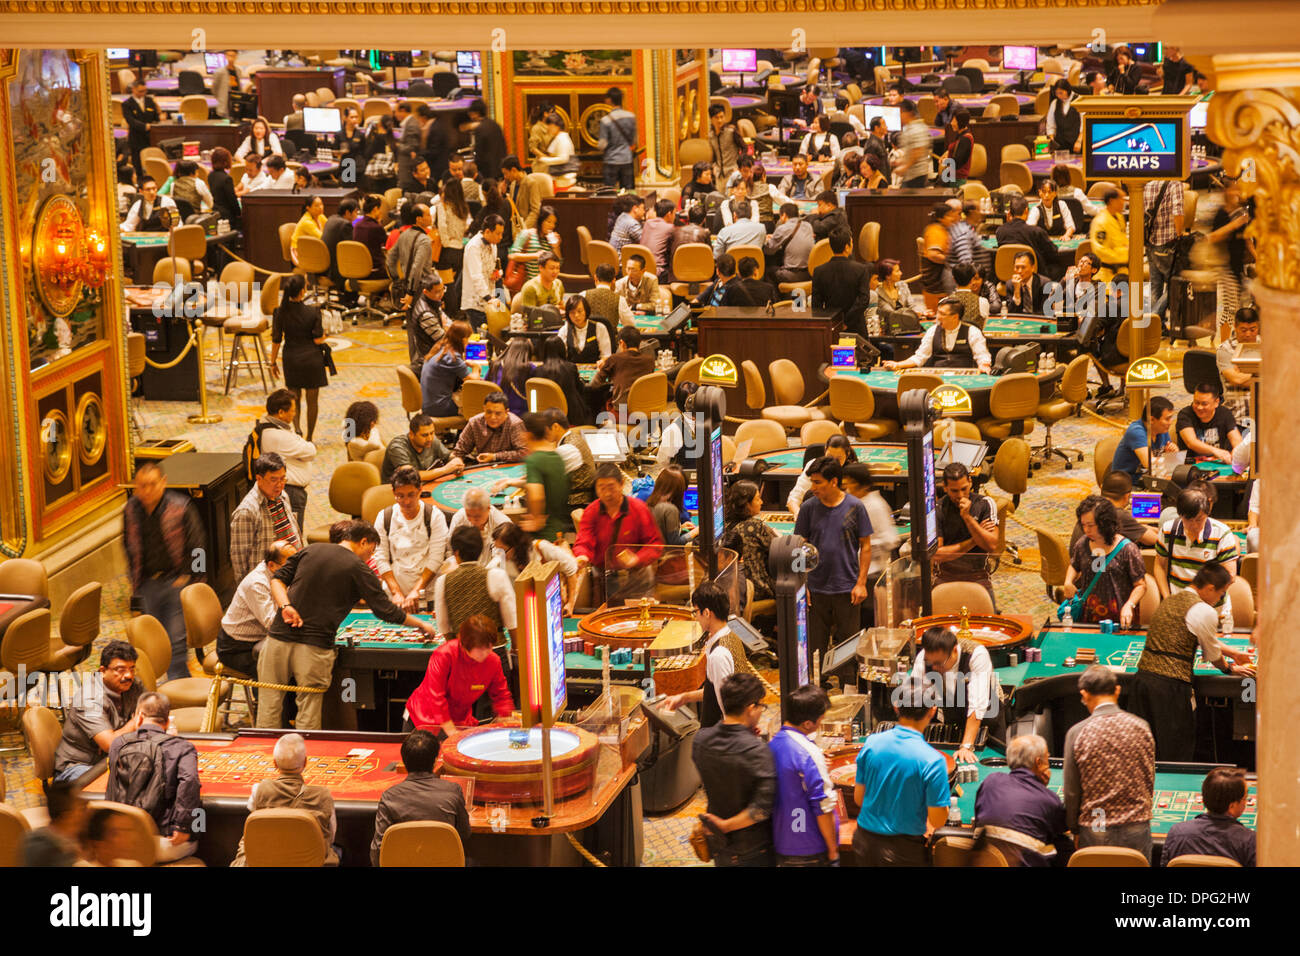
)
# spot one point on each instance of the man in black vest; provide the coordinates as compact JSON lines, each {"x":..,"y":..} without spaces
{"x":842,"y":284}
{"x":139,"y":110}
{"x":949,"y":343}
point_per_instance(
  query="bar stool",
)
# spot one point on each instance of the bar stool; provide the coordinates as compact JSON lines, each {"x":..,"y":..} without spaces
{"x":135,"y":366}
{"x":241,"y":328}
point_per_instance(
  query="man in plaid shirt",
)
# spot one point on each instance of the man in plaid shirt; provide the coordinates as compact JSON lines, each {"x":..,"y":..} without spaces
{"x":1163,"y":202}
{"x":263,"y":517}
{"x":493,"y":435}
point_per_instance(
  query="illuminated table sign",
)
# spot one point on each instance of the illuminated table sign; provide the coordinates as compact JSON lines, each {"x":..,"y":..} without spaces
{"x":718,"y":370}
{"x":1145,"y":148}
{"x":952,"y":399}
{"x":1148,"y":372}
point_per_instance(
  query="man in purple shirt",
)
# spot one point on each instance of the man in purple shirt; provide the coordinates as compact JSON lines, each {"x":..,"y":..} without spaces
{"x":367,"y":230}
{"x":1016,"y":811}
{"x":1217,"y":831}
{"x":805,"y":826}
{"x":657,"y":234}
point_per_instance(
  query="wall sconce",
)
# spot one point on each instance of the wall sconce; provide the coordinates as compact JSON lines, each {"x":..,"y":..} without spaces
{"x":65,"y":256}
{"x":94,"y":268}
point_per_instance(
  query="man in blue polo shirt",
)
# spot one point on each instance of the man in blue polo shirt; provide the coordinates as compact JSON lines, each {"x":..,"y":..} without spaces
{"x":1133,"y":453}
{"x":901,"y":785}
{"x":805,"y":827}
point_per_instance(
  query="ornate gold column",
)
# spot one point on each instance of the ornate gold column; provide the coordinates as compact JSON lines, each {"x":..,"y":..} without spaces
{"x":1255,"y":116}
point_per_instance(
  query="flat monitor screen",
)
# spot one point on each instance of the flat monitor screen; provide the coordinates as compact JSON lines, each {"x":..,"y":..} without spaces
{"x":476,"y":351}
{"x":1020,"y":58}
{"x":692,"y":498}
{"x":739,"y":61}
{"x":893,"y":116}
{"x":555,"y":644}
{"x":930,"y":505}
{"x":607,"y":445}
{"x":844,"y":356}
{"x":1199,"y":115}
{"x":321,"y":120}
{"x":469,"y":61}
{"x":1146,"y":505}
{"x":717,"y":484}
{"x":191,"y":149}
{"x":118,"y":53}
{"x":143,"y":58}
{"x":801,"y":633}
{"x":214,"y":61}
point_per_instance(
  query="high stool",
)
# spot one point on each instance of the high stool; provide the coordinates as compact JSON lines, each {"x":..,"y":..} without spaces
{"x":135,"y":366}
{"x":240,"y":329}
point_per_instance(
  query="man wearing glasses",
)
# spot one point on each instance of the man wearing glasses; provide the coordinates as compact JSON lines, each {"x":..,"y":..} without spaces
{"x":712,"y":607}
{"x":103,"y":708}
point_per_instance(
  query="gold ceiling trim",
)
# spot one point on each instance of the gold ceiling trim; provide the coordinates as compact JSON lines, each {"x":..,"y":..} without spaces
{"x":495,"y":8}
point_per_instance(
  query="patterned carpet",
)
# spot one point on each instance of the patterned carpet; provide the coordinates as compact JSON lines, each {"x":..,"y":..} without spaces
{"x":366,"y":356}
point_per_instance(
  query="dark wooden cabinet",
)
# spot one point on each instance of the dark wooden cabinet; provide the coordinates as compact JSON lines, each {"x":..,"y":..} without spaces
{"x":265,"y":210}
{"x":276,"y":88}
{"x":750,"y":333}
{"x":995,"y":134}
{"x":572,"y":211}
{"x":902,"y":214}
{"x":217,"y":483}
{"x":207,"y":135}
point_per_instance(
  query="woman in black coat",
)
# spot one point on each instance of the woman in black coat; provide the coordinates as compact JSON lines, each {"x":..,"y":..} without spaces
{"x":224,"y":201}
{"x":298,"y":327}
{"x":557,"y":367}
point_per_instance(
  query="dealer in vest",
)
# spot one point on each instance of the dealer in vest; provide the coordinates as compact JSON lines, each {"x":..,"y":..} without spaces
{"x":949,"y":343}
{"x":963,"y":672}
{"x":1161,"y":692}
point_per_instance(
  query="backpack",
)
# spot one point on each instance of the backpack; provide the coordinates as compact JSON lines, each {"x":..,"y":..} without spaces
{"x":253,"y":447}
{"x":385,"y":517}
{"x":137,"y":776}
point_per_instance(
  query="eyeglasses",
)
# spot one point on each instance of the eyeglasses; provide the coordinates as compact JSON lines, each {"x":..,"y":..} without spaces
{"x":121,"y":669}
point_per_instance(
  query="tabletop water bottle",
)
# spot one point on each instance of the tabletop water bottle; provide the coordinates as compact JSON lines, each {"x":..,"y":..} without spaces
{"x":1066,"y":614}
{"x":954,"y":813}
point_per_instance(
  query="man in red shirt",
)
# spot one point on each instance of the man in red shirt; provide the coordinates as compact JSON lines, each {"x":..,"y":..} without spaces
{"x":459,"y":673}
{"x":616,"y":518}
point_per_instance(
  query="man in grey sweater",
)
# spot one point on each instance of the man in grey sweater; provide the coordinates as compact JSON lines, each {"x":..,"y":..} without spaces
{"x":790,"y":245}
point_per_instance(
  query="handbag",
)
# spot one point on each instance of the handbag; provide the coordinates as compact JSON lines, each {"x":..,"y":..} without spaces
{"x":327,"y":354}
{"x":1077,"y":603}
{"x":516,"y":275}
{"x":381,"y":165}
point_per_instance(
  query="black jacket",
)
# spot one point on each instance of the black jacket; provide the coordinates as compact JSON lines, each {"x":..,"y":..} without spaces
{"x":1051,"y":263}
{"x":489,"y":148}
{"x":336,"y":230}
{"x":756,"y":292}
{"x":138,"y":120}
{"x":224,"y":200}
{"x":738,"y":773}
{"x":824,"y":225}
{"x":325,"y":582}
{"x":1032,"y":297}
{"x":843,"y":285}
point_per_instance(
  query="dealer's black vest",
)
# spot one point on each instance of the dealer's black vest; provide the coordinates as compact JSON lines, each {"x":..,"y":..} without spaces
{"x":960,"y":356}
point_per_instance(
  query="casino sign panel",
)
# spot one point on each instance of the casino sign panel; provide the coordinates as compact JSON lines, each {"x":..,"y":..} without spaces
{"x":1135,"y":137}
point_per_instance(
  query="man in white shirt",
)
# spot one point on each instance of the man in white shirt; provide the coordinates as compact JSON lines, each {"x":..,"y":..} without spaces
{"x":278,"y":174}
{"x":637,"y":286}
{"x":255,"y":176}
{"x":960,"y":344}
{"x":712,"y":609}
{"x":745,"y":231}
{"x":143,"y":216}
{"x":412,"y":538}
{"x":498,"y":585}
{"x":277,"y":435}
{"x":251,"y":612}
{"x":955,"y":664}
{"x":480,"y":270}
{"x":478,"y":512}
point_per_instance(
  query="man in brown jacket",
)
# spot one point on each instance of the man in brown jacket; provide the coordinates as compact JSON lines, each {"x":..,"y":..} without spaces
{"x":287,"y":790}
{"x":625,"y":366}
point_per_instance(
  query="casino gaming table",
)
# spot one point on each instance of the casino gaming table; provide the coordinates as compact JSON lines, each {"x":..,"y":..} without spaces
{"x":745,"y":102}
{"x":975,"y":102}
{"x":776,"y":167}
{"x":1000,"y":332}
{"x":888,"y":462}
{"x":167,"y":103}
{"x":141,"y":251}
{"x":884,"y":386}
{"x":364,"y":642}
{"x":990,"y":243}
{"x":449,"y":493}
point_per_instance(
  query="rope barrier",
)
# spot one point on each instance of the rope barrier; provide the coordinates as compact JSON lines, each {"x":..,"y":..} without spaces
{"x":189,"y":344}
{"x":1102,"y":418}
{"x":216,"y":690}
{"x":582,"y":850}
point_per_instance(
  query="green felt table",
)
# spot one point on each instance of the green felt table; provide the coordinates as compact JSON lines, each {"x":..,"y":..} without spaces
{"x":653,"y":324}
{"x":1115,"y":650}
{"x":886,"y":381}
{"x":448,"y":493}
{"x":368,"y":632}
{"x":1006,"y":325}
{"x":789,"y":463}
{"x":1220,"y":471}
{"x":991,"y":243}
{"x":1177,"y":793}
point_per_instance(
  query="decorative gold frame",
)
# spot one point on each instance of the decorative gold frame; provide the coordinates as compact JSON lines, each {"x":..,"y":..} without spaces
{"x":57,"y":219}
{"x":99,"y":440}
{"x":540,"y":8}
{"x":56,"y":468}
{"x":585,"y":119}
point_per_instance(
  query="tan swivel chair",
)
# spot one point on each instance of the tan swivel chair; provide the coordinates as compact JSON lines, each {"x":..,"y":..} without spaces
{"x":1108,"y":856}
{"x":375,"y":500}
{"x":412,"y":397}
{"x":201,"y":609}
{"x":1014,"y":153}
{"x":13,"y":830}
{"x":973,"y":189}
{"x":927,"y":107}
{"x":282,"y":837}
{"x":26,"y":643}
{"x":1202,"y":859}
{"x":153,"y":152}
{"x":692,"y":269}
{"x":285,"y":232}
{"x":246,"y":329}
{"x":355,"y":265}
{"x":1004,"y":260}
{"x":690,"y":371}
{"x":135,"y":366}
{"x":724,"y":103}
{"x":1149,"y":602}
{"x":1016,"y":174}
{"x":979,"y":161}
{"x":194,"y":108}
{"x":424,"y":843}
{"x":691,"y":151}
{"x":1102,"y":454}
{"x":1006,"y":103}
{"x":143,"y":847}
{"x":347,"y":486}
{"x":1071,"y":393}
{"x":24,"y":576}
{"x":631,"y":249}
{"x":764,"y":435}
{"x":1243,"y":602}
{"x":949,"y":428}
{"x":1013,"y":403}
{"x":1082,"y":250}
{"x":472,"y":393}
{"x":818,"y":432}
{"x":820,"y":255}
{"x":189,"y":242}
{"x":149,"y":637}
{"x":1054,"y":560}
{"x":157,"y":168}
{"x":375,"y":106}
{"x":1011,"y":474}
{"x":163,"y":271}
{"x":950,"y":597}
{"x":648,"y":395}
{"x":601,"y":253}
{"x":78,"y":628}
{"x":750,"y":252}
{"x":912,"y":379}
{"x":788,"y":392}
{"x":314,"y":261}
{"x":542,"y":393}
{"x":869,"y":242}
{"x":324,"y":95}
{"x":42,"y":732}
{"x":853,"y":405}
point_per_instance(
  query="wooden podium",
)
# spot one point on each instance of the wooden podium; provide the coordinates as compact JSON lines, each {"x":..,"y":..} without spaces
{"x":750,"y":333}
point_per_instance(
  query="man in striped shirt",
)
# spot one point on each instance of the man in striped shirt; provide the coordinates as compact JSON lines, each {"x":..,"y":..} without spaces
{"x":1188,"y":542}
{"x":264,"y":516}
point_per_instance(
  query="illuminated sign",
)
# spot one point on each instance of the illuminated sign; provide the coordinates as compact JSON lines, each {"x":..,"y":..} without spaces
{"x":1134,"y":148}
{"x":952,"y":399}
{"x":1148,"y":372}
{"x":718,"y":370}
{"x":540,"y":643}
